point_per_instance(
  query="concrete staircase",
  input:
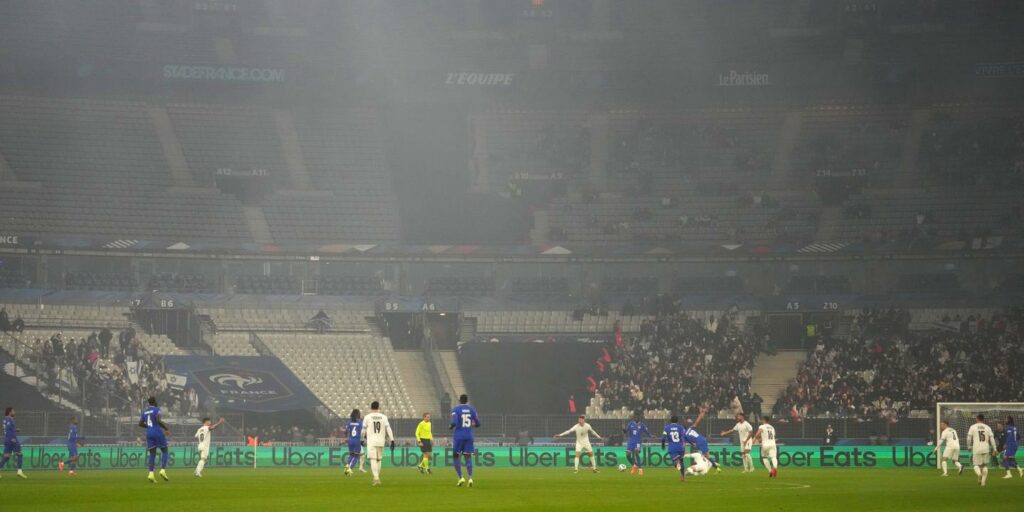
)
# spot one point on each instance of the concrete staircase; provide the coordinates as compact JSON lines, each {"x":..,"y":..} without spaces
{"x":6,"y":174}
{"x":180,"y":172}
{"x":790,"y":136}
{"x":292,"y":150}
{"x":450,"y":359}
{"x":772,"y":373}
{"x":259,"y":229}
{"x":416,"y":377}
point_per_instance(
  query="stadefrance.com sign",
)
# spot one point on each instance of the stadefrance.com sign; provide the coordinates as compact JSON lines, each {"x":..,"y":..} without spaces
{"x":223,"y":73}
{"x":120,"y":457}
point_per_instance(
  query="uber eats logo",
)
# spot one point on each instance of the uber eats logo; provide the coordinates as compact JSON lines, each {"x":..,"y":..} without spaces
{"x":240,"y":384}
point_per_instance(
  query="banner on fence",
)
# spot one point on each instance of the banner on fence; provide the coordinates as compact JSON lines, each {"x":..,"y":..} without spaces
{"x":119,"y":457}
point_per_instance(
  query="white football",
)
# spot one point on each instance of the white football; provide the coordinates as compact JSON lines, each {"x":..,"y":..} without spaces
{"x":622,"y":467}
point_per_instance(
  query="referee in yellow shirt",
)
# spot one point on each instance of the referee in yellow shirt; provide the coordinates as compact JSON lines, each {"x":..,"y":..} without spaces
{"x":425,"y":438}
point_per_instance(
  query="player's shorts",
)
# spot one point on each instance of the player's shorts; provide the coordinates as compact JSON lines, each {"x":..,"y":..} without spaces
{"x":675,"y":454}
{"x":463,"y":446}
{"x":951,"y":453}
{"x":583,"y":447}
{"x":702,"y":445}
{"x":746,"y":446}
{"x":632,"y":447}
{"x":426,"y":446}
{"x":355,"y":447}
{"x":375,"y":452}
{"x":980,"y":459}
{"x":1010,"y":452}
{"x":769,"y":451}
{"x":12,"y":446}
{"x":204,"y":452}
{"x":157,"y":440}
{"x":72,"y":450}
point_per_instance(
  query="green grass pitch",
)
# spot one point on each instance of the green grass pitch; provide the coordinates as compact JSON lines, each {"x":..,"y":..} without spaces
{"x":300,"y":490}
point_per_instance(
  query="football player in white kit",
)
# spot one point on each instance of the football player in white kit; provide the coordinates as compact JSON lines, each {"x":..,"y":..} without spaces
{"x":744,"y":432}
{"x":701,"y":466}
{"x":204,"y":435}
{"x":582,"y":429}
{"x":949,"y":438}
{"x":377,"y":432}
{"x":769,"y":452}
{"x":982,"y":444}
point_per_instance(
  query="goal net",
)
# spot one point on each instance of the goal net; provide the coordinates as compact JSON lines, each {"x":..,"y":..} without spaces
{"x":960,"y":416}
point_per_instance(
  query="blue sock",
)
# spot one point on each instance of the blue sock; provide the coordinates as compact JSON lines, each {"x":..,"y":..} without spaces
{"x":163,"y":458}
{"x":19,"y":458}
{"x":469,"y":466}
{"x":152,"y":460}
{"x":458,"y":466}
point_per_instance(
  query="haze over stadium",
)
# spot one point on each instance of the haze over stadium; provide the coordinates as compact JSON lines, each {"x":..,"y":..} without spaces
{"x":259,"y":254}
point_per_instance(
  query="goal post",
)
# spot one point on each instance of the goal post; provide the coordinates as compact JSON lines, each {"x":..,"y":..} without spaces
{"x":961,"y":415}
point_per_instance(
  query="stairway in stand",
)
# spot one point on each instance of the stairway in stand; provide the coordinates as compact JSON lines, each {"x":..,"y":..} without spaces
{"x":772,"y":373}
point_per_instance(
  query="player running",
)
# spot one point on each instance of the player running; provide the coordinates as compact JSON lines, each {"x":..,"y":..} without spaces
{"x":635,"y":431}
{"x":766,"y":434}
{"x":464,"y":420}
{"x":205,"y":435}
{"x":744,"y":432}
{"x":1010,"y":452}
{"x":673,"y":436}
{"x":156,"y":437}
{"x":982,"y":445}
{"x":73,"y":443}
{"x":951,"y":451}
{"x":425,"y":438}
{"x":698,"y":441}
{"x":377,"y":432}
{"x":11,"y":444}
{"x":354,"y":429}
{"x":582,"y":429}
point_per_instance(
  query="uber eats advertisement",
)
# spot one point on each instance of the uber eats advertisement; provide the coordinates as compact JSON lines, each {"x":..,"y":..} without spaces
{"x":120,"y":457}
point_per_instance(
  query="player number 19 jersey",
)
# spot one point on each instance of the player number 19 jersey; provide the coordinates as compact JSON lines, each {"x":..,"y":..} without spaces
{"x":377,"y":430}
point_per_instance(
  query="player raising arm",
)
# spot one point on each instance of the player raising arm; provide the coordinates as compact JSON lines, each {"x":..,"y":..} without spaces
{"x":951,"y":451}
{"x":744,"y":432}
{"x":377,"y":432}
{"x":582,"y":429}
{"x":698,"y":441}
{"x":982,"y":445}
{"x":156,"y":437}
{"x":464,"y":420}
{"x":766,"y":434}
{"x":203,"y":436}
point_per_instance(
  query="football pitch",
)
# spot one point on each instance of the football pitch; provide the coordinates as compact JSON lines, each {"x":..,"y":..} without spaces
{"x":225,"y":490}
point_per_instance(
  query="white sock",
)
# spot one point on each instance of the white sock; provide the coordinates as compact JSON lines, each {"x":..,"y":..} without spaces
{"x":775,"y":463}
{"x":958,"y":465}
{"x":748,"y":462}
{"x":593,"y":462}
{"x":201,"y":465}
{"x":375,"y":468}
{"x":577,"y":463}
{"x":362,"y":462}
{"x":977,"y":470}
{"x":944,"y":466}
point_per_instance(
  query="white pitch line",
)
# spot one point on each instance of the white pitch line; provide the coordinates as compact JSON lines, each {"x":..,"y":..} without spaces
{"x":790,"y":484}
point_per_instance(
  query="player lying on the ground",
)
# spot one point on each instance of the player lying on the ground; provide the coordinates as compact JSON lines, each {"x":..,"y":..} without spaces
{"x":701,"y":466}
{"x":698,"y":441}
{"x":582,"y":429}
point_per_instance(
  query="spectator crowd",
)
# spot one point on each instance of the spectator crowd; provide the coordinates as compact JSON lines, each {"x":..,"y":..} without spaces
{"x":679,"y":363}
{"x":886,"y":370}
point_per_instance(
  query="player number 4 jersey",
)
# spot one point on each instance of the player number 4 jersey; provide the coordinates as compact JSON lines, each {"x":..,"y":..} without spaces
{"x":767,"y":435}
{"x":980,"y":437}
